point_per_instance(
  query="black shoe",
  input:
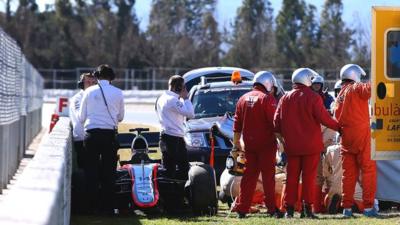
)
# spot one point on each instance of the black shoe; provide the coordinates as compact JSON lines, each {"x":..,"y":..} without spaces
{"x":332,"y":209}
{"x":307,"y":212}
{"x":276,"y":214}
{"x":241,"y":215}
{"x":289,"y":212}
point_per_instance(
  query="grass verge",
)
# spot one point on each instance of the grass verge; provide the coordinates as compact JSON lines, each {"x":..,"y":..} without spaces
{"x":223,"y":216}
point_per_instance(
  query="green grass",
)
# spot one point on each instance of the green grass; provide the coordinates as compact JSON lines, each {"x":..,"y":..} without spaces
{"x":223,"y":216}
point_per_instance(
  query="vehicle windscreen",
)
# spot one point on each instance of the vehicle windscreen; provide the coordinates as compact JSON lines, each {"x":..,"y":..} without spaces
{"x":216,"y":102}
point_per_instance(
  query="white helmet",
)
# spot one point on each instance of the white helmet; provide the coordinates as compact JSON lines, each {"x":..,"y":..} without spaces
{"x":352,"y":72}
{"x":303,"y":76}
{"x":266,"y":79}
{"x":338,"y":85}
{"x":318,"y":79}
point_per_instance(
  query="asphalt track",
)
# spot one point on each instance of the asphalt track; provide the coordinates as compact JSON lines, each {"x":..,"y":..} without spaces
{"x":134,"y":113}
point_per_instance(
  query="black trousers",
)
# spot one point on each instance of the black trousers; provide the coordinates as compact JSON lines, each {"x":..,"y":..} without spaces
{"x":100,"y":169}
{"x":80,"y":154}
{"x":174,"y":153}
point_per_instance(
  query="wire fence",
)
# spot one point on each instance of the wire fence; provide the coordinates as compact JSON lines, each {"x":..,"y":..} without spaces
{"x":126,"y":79}
{"x":157,"y":78}
{"x":21,"y":98}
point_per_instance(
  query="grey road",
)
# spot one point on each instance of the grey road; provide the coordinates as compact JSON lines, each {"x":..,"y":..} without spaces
{"x":134,"y":113}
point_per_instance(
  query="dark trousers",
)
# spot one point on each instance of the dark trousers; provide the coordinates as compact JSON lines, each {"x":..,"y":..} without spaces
{"x":80,"y":154}
{"x":100,"y":169}
{"x":174,"y":154}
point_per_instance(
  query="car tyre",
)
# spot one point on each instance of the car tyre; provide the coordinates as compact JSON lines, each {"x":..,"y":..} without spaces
{"x":202,"y":189}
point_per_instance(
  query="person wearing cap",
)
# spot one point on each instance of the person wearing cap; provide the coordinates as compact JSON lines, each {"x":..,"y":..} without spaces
{"x":78,"y":133}
{"x":253,"y":121}
{"x":352,"y":112}
{"x":318,"y":86}
{"x":102,"y":108}
{"x":328,"y":135}
{"x":337,"y":87}
{"x":298,"y":120}
{"x":172,"y":107}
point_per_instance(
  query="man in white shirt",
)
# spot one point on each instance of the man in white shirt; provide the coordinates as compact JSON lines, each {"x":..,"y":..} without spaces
{"x":78,"y":134}
{"x":172,"y":108}
{"x":102,"y":107}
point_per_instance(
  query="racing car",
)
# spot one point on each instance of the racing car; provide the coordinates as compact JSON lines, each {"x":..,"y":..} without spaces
{"x":142,"y":182}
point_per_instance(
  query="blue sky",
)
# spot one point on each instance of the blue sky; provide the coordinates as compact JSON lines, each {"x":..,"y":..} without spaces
{"x":226,"y":9}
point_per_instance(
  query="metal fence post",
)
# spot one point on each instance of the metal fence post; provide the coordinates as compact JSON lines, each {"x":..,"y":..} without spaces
{"x":153,"y":77}
{"x":54,"y":79}
{"x":126,"y":78}
{"x":133,"y":75}
{"x":78,"y":75}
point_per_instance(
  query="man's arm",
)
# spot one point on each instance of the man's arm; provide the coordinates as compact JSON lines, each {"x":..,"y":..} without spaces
{"x":82,"y":114}
{"x":277,"y":119}
{"x":237,"y":125}
{"x":236,"y":141}
{"x":185,"y":108}
{"x":270,"y":108}
{"x":363,"y":90}
{"x":121,"y":113}
{"x":322,"y":115}
{"x":74,"y":109}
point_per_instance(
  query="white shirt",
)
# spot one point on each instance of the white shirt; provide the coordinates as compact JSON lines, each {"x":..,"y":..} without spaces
{"x":78,"y":133}
{"x":171,"y":111}
{"x":94,"y":112}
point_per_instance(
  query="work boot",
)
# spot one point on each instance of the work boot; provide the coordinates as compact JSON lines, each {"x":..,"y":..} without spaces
{"x":371,"y":212}
{"x":241,"y":215}
{"x":276,"y":213}
{"x":333,"y":206}
{"x":347,"y":213}
{"x":289,"y":212}
{"x":307,"y":212}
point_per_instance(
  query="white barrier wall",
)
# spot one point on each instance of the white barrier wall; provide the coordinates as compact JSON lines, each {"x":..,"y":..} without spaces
{"x":41,"y":194}
{"x":130,"y":96}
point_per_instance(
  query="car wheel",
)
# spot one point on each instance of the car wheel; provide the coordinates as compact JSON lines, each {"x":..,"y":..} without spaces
{"x":202,"y":189}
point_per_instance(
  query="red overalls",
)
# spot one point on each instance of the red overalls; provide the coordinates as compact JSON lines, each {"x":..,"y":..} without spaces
{"x":353,"y":116}
{"x":254,"y":119}
{"x":298,"y":119}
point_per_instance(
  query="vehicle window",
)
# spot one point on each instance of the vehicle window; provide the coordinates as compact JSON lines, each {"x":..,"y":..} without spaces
{"x":393,"y":54}
{"x":210,"y":103}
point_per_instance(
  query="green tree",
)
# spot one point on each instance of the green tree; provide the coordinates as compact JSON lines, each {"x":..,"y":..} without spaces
{"x":335,"y":39}
{"x":309,"y":37}
{"x":361,"y":50}
{"x":210,"y":41}
{"x":252,"y":42}
{"x":179,"y":32}
{"x":288,"y":32}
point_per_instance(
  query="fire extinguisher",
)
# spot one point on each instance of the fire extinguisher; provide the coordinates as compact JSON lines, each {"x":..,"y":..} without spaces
{"x":53,"y":121}
{"x":213,"y":131}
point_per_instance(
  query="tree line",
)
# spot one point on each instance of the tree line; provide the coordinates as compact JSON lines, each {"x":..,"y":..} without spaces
{"x":184,"y":34}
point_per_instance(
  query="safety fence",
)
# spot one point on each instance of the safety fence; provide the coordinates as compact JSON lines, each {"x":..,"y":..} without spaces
{"x":156,"y":78}
{"x":21,"y":97}
{"x":42,"y":193}
{"x":126,"y":79}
